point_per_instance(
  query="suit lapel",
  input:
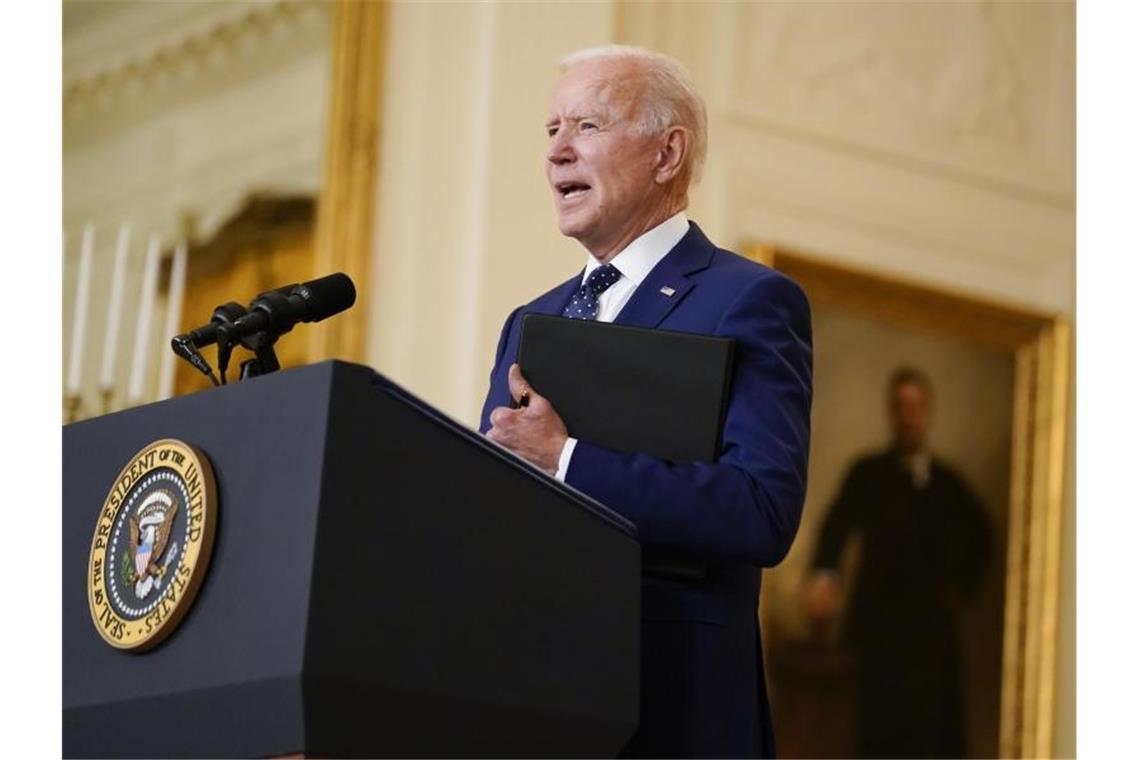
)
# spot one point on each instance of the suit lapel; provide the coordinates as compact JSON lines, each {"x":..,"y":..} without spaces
{"x":554,"y":301}
{"x":667,"y":283}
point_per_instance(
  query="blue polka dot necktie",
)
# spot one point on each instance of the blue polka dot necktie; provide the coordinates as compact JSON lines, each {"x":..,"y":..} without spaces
{"x":584,"y":304}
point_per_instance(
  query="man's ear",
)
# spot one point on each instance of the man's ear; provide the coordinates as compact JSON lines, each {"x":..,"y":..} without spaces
{"x":671,"y":158}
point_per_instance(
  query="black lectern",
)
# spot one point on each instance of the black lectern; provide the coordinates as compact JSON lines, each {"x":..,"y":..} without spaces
{"x":383,"y":582}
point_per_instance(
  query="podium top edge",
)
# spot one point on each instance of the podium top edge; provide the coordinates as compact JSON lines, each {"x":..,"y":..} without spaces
{"x":334,"y":367}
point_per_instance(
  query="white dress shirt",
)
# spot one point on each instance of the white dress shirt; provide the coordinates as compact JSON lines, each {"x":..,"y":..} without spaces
{"x":635,"y":262}
{"x":918,"y":465}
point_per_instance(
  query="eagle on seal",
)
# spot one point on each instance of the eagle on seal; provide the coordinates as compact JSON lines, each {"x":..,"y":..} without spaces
{"x":150,"y":533}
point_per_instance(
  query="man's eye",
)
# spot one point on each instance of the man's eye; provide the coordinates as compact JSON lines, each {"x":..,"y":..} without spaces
{"x":551,"y":131}
{"x":589,"y":125}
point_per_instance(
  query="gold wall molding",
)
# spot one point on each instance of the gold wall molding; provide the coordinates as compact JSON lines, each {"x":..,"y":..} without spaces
{"x":347,"y":201}
{"x":1039,"y":344}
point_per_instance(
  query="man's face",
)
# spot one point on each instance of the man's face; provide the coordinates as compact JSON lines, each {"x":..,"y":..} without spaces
{"x":910,"y":417}
{"x":600,"y":170}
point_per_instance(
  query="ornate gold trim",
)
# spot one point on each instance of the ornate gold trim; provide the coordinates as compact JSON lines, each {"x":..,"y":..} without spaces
{"x":346,"y":207}
{"x":1039,"y":344}
{"x":1052,"y":430}
{"x":1014,"y":645}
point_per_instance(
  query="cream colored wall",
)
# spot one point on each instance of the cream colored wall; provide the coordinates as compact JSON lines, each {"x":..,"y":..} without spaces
{"x":928,"y":140}
{"x":174,"y":108}
{"x":933,"y":141}
{"x":465,"y":229}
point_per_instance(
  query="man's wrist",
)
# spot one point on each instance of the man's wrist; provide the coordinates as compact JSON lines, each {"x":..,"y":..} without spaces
{"x":564,"y":458}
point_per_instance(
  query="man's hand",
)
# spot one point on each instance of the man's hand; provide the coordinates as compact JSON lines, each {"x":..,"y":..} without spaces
{"x":535,"y":431}
{"x":822,"y":598}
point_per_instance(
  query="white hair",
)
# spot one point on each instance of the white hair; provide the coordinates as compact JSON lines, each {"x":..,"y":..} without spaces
{"x":669,"y":99}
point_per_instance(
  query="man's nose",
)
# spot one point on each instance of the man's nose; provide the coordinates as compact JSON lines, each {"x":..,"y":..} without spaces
{"x":560,"y":151}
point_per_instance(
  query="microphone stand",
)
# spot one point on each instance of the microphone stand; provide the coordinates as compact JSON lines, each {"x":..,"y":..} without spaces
{"x":265,"y":358}
{"x":263,"y":362}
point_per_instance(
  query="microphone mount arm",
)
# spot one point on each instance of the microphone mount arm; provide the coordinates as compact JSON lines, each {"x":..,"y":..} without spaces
{"x":260,"y":343}
{"x":265,"y":358}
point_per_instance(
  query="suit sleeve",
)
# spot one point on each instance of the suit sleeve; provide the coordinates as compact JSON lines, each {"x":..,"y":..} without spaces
{"x":844,"y":518}
{"x":747,"y":505}
{"x":971,"y":555}
{"x":493,"y":394}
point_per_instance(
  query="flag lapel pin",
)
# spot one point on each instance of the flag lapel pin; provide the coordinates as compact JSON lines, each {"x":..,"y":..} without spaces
{"x":667,"y":290}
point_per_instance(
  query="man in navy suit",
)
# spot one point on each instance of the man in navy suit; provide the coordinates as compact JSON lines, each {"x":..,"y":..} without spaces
{"x":627,"y":137}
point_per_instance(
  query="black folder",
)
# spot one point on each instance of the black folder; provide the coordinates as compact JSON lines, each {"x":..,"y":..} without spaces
{"x":633,"y":389}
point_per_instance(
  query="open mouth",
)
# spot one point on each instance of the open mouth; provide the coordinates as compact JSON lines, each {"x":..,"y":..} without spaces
{"x":569,"y":190}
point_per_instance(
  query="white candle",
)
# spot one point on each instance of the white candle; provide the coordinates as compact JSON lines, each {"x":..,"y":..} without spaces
{"x":173,"y":317}
{"x":79,"y":318}
{"x":115,"y":310}
{"x":142,"y":329}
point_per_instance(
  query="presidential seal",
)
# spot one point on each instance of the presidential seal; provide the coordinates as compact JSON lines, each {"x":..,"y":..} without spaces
{"x":152,"y":545}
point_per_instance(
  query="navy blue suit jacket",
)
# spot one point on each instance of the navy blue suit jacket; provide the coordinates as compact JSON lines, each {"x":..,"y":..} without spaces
{"x":702,"y":689}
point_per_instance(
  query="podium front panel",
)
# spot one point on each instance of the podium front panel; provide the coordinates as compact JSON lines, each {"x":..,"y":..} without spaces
{"x":383,"y":582}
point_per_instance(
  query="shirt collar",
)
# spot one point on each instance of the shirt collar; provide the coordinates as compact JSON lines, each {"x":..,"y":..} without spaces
{"x":638,"y":258}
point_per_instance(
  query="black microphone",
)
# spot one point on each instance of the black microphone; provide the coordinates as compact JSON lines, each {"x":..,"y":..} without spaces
{"x":187,"y":344}
{"x":276,"y":311}
{"x":207,"y":335}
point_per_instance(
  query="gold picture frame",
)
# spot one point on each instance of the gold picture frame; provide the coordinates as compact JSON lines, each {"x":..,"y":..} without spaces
{"x":1039,"y":344}
{"x":346,"y":205}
